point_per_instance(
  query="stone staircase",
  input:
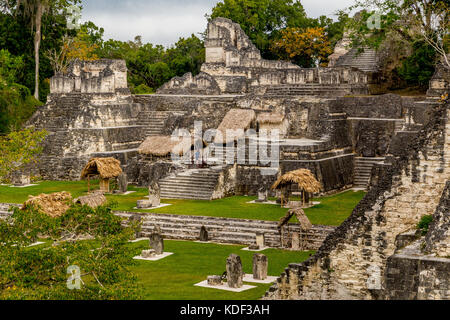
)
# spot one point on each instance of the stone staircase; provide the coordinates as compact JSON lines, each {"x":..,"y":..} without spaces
{"x":363,"y":171}
{"x":399,"y":126}
{"x":4,"y":209}
{"x":198,"y":184}
{"x":154,"y":121}
{"x":366,"y":61}
{"x":310,"y":89}
{"x":227,"y":230}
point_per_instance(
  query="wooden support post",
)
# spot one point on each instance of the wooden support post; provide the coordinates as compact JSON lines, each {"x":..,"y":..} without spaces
{"x":303,"y":196}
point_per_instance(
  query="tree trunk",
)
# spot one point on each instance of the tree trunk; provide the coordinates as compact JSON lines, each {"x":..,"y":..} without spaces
{"x":37,"y":45}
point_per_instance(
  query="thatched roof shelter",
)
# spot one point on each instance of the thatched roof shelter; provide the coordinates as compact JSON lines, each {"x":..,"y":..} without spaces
{"x":93,"y":200}
{"x":302,"y":177}
{"x":303,"y":220}
{"x":270,"y":118}
{"x":53,"y":205}
{"x":161,"y":146}
{"x":106,"y":168}
{"x":235,"y":119}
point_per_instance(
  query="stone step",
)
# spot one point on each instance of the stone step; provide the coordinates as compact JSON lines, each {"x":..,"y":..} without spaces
{"x":186,"y":196}
{"x":178,"y":192}
{"x":199,"y":221}
{"x":363,"y":170}
{"x":187,"y":185}
{"x":186,"y":190}
{"x":222,"y":230}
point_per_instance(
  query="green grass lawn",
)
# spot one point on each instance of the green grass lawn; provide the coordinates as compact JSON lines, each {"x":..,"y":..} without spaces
{"x":173,"y":278}
{"x":332,"y":210}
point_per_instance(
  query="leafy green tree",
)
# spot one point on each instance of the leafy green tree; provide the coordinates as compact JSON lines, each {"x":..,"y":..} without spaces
{"x":334,"y":30}
{"x":263,"y":19}
{"x":16,"y":37}
{"x":418,"y":68}
{"x":34,"y":10}
{"x":42,"y":273}
{"x":412,"y":20}
{"x":187,"y":55}
{"x":18,"y":149}
{"x":405,"y":32}
{"x":16,"y":103}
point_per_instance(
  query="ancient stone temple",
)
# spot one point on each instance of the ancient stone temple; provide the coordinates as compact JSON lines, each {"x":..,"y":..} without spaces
{"x":397,"y":148}
{"x":326,"y":120}
{"x":234,"y":66}
{"x":377,"y":253}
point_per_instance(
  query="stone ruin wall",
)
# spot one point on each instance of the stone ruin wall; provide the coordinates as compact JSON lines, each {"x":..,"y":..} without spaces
{"x":92,"y":77}
{"x":411,"y":188}
{"x":234,"y":66}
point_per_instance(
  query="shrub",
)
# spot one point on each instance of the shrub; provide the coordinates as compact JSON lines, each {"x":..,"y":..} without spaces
{"x":41,"y":273}
{"x":142,"y":89}
{"x":424,"y":224}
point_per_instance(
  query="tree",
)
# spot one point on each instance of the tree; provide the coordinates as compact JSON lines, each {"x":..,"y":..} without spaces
{"x":79,"y":47}
{"x":34,"y":10}
{"x":19,"y":149}
{"x":418,"y":68}
{"x":16,"y":103}
{"x":308,"y":48}
{"x":262,"y":19}
{"x":187,"y":55}
{"x":42,"y":273}
{"x":412,"y":20}
{"x":410,"y":36}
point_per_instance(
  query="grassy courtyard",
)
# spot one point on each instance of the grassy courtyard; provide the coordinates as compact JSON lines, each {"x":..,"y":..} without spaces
{"x":173,"y":277}
{"x":332,"y":210}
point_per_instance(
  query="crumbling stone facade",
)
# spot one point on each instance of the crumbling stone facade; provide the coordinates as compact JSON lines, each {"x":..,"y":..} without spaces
{"x":235,"y":66}
{"x":92,"y":77}
{"x":352,"y":263}
{"x":90,"y":113}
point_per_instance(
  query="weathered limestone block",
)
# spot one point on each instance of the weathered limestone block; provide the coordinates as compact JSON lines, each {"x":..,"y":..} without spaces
{"x":438,"y":236}
{"x":260,"y":264}
{"x":440,"y":82}
{"x":21,"y":179}
{"x":262,"y":196}
{"x":203,"y":234}
{"x":214,"y":280}
{"x":157,"y":242}
{"x":260,"y":240}
{"x":235,"y":274}
{"x":203,"y":83}
{"x":123,"y":182}
{"x":295,"y":243}
{"x":143,"y":204}
{"x":99,"y":76}
{"x":154,"y":194}
{"x":148,"y":253}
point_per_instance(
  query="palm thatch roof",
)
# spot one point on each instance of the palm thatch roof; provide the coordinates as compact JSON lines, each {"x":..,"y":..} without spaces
{"x":303,"y":220}
{"x":161,"y":146}
{"x":235,"y":119}
{"x":107,"y":168}
{"x":302,"y":177}
{"x":270,"y":118}
{"x":93,"y":200}
{"x":53,"y":205}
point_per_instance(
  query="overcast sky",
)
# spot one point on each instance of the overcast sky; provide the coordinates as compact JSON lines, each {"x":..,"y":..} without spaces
{"x":164,"y":21}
